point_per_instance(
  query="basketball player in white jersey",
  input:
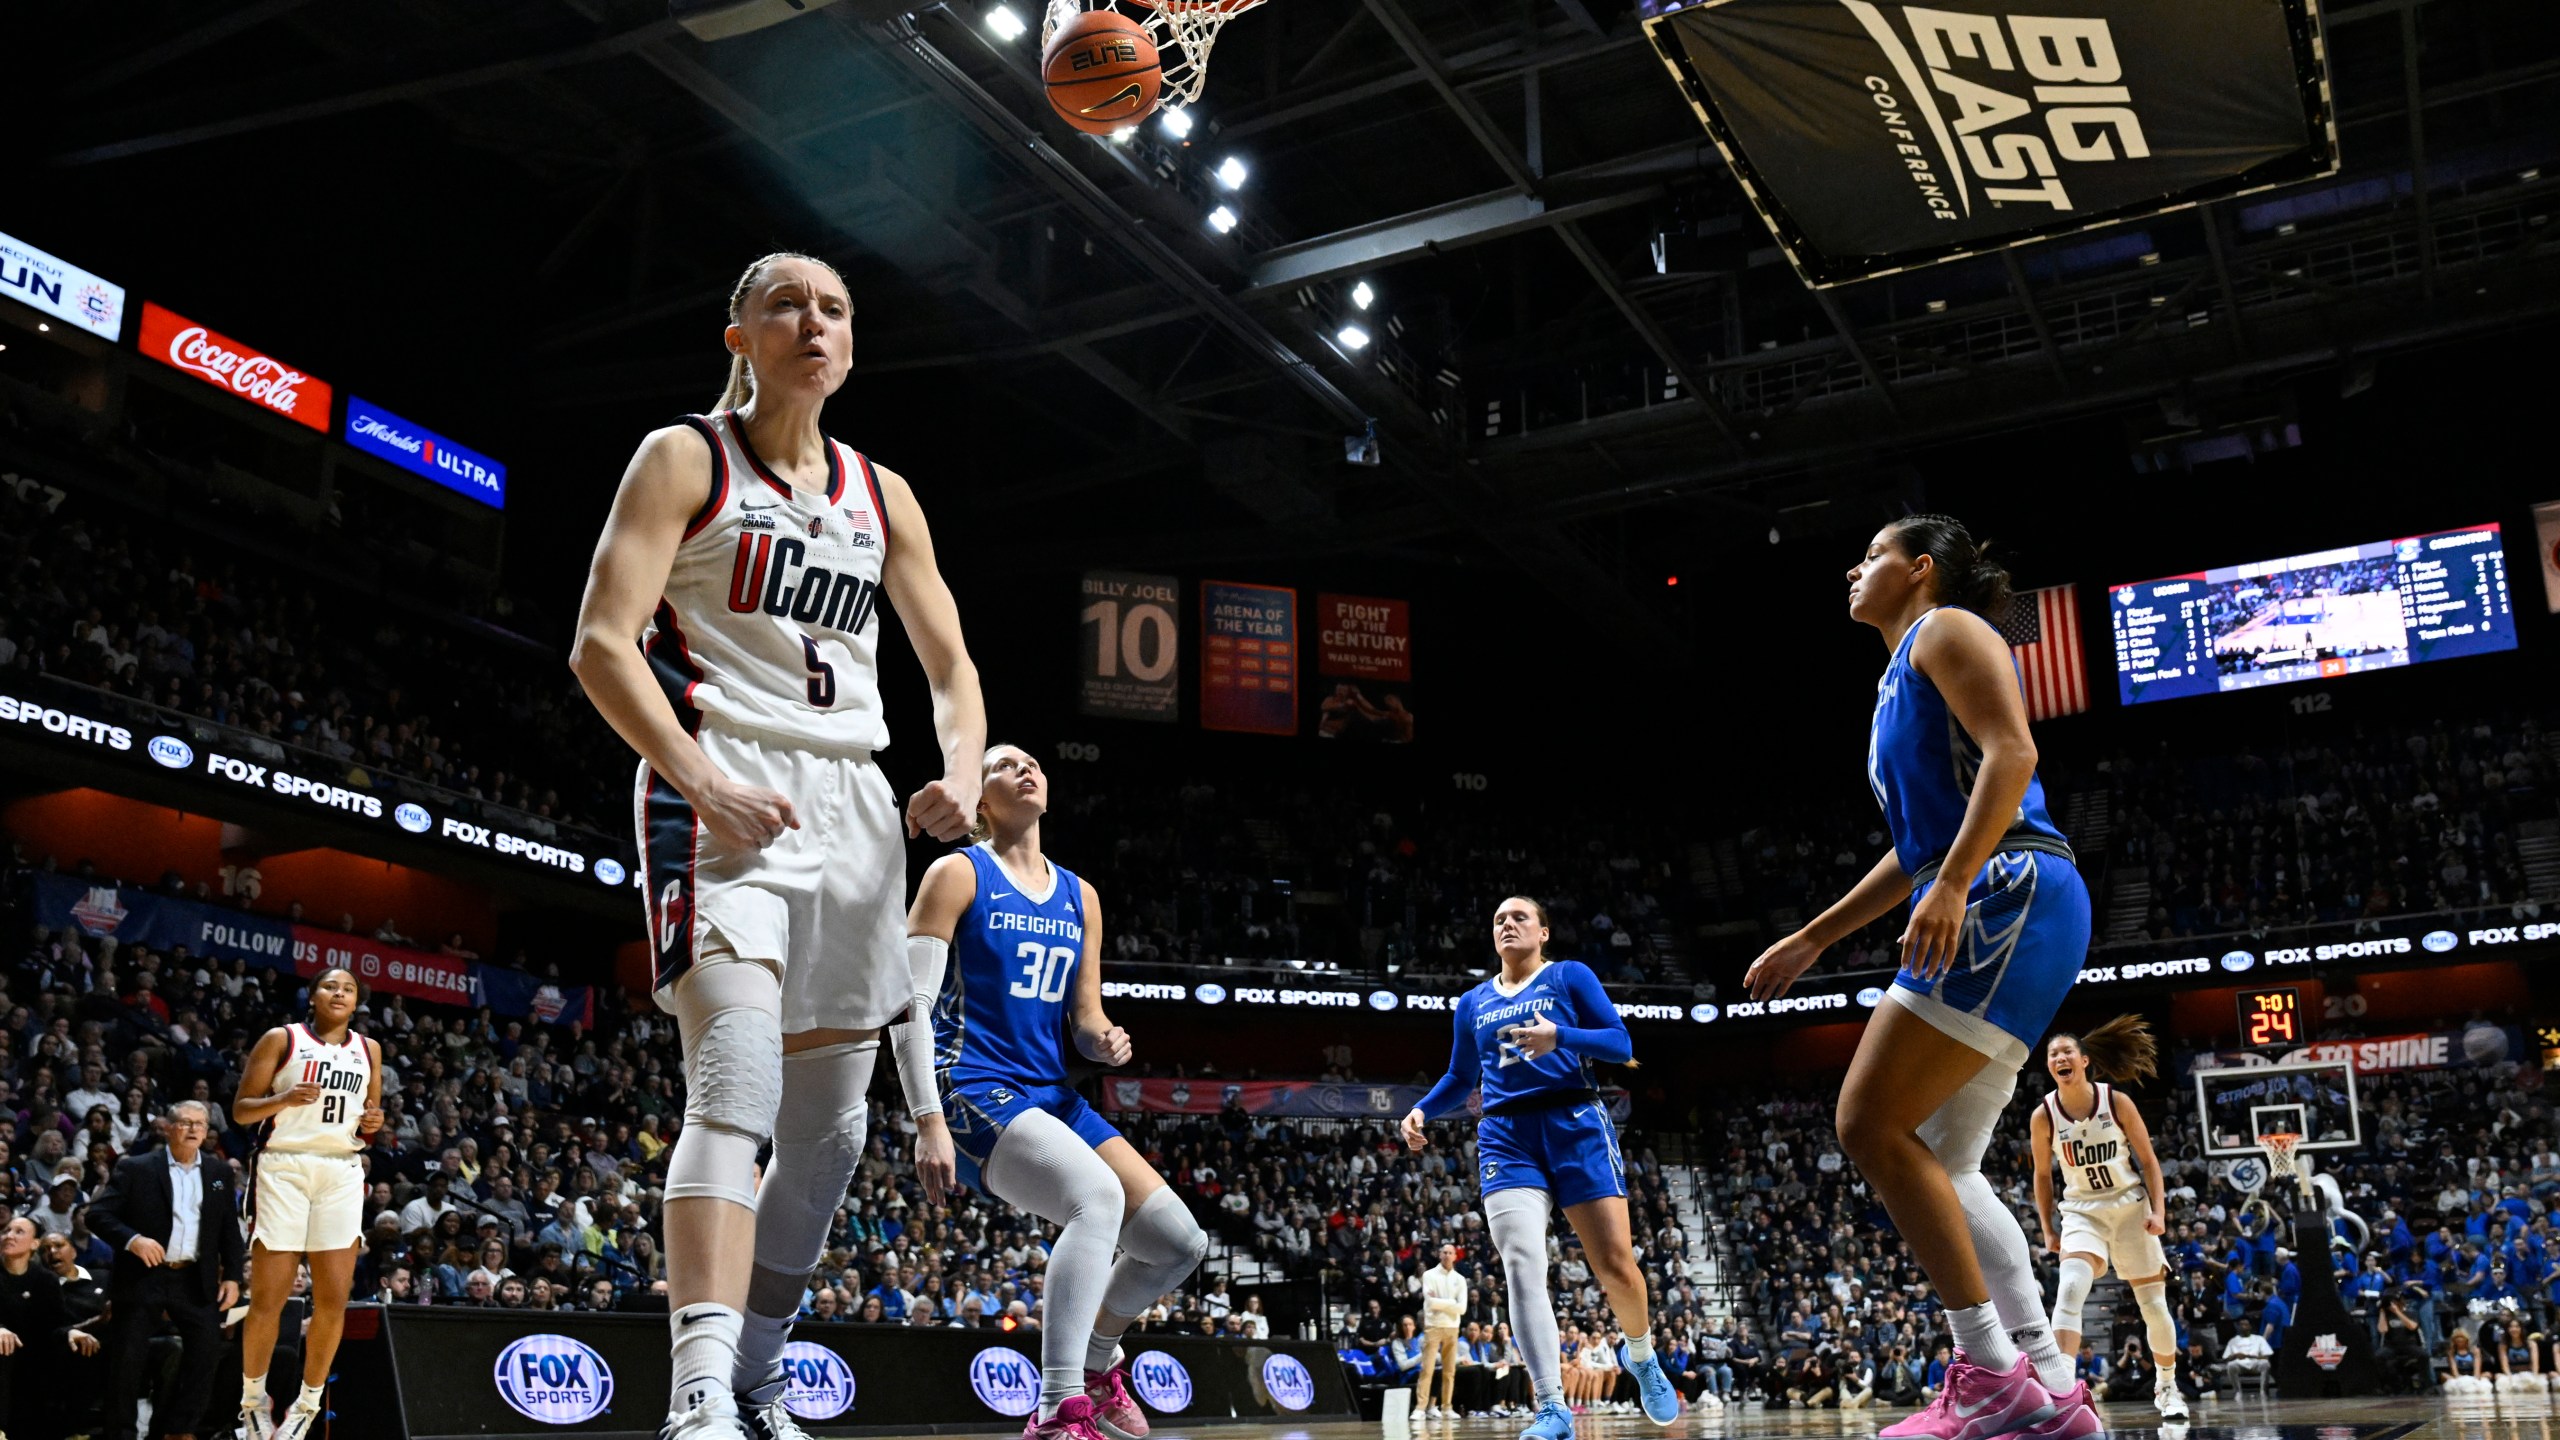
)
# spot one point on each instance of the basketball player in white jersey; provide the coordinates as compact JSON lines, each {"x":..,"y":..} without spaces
{"x":2112,"y":1199}
{"x":730,"y":634}
{"x":314,"y":1092}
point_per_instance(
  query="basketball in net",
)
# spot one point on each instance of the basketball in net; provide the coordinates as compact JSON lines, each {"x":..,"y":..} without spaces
{"x":1172,"y":38}
{"x":1102,"y":71}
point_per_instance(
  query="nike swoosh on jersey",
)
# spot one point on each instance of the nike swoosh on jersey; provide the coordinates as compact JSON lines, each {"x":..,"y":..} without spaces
{"x":1001,"y":895}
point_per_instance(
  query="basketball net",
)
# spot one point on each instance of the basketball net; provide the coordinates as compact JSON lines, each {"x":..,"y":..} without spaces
{"x":2282,"y":1162}
{"x":1183,"y":32}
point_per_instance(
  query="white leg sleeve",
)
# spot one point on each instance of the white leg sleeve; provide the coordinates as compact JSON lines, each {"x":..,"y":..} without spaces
{"x":2159,"y":1327}
{"x":729,"y":1012}
{"x":1159,"y":1247}
{"x":1040,"y":1165}
{"x":1518,"y":1221}
{"x":817,"y":1142}
{"x":1958,"y":1134}
{"x":2072,"y":1293}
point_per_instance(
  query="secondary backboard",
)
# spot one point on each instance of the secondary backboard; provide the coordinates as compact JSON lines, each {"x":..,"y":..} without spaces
{"x":2315,"y":1099}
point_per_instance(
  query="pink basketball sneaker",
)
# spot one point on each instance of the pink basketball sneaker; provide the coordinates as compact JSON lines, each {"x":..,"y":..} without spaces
{"x":2074,"y":1418}
{"x":1977,"y":1404}
{"x":1115,"y":1410}
{"x":1074,"y":1421}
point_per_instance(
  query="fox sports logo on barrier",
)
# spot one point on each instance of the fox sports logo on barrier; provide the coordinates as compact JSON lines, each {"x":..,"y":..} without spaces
{"x":554,"y":1380}
{"x":820,"y":1383}
{"x":413,"y":818}
{"x":1007,"y":1381}
{"x":1288,"y":1382}
{"x":172,"y":752}
{"x":1161,"y":1381}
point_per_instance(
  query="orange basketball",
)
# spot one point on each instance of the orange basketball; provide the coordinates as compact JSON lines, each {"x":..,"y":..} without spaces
{"x":1102,"y":72}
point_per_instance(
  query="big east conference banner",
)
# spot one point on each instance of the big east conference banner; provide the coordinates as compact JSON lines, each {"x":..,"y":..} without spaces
{"x":1872,"y":137}
{"x":226,"y":364}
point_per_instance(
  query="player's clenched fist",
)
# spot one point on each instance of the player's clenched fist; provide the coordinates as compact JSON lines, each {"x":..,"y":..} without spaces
{"x":945,"y":809}
{"x":747,"y":817}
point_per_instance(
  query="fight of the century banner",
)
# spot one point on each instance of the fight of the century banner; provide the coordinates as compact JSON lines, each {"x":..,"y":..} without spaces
{"x":1248,"y":658}
{"x":135,"y":916}
{"x":1131,"y":637}
{"x":1874,"y":137}
{"x":1364,"y":661}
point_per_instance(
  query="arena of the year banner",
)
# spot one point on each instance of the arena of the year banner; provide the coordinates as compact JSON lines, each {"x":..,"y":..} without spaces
{"x":1130,"y":628}
{"x":1248,"y":658}
{"x":1875,"y":137}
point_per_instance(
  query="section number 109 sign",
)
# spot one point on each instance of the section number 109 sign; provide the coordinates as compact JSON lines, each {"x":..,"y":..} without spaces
{"x":1131,"y":639}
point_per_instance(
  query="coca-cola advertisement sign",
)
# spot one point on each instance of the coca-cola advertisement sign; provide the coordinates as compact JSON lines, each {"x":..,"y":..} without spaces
{"x":218,"y":360}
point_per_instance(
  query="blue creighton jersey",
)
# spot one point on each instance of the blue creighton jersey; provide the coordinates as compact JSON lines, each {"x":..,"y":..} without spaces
{"x":1588,"y":1028}
{"x":1013,"y":963}
{"x":1921,"y":765}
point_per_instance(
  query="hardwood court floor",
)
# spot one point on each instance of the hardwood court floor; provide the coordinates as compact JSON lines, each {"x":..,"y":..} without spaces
{"x":2378,"y":1418}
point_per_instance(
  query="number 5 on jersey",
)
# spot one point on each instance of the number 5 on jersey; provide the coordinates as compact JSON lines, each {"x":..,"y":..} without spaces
{"x":1044,"y":971}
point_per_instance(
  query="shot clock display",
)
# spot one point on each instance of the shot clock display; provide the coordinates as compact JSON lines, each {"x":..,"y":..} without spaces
{"x":2271,"y":1018}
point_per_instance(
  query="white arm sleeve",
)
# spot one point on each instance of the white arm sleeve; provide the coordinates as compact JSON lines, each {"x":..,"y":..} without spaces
{"x":927,"y":959}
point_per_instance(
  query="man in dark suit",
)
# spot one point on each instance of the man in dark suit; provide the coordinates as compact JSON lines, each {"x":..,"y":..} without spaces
{"x":174,"y":1217}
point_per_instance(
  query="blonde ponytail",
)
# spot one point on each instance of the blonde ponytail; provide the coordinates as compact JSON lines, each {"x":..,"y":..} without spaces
{"x":742,"y":381}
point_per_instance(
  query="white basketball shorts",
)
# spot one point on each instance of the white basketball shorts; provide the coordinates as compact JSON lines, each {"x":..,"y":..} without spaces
{"x":2115,"y":1232}
{"x":825,"y":905}
{"x":307,"y":1204}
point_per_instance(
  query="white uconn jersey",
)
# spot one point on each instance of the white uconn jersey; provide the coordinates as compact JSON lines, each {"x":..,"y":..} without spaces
{"x":2097,"y":1164}
{"x":771,"y":617}
{"x":326,"y":1126}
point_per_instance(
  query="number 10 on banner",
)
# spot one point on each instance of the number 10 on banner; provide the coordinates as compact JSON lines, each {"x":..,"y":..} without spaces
{"x":1131,"y":641}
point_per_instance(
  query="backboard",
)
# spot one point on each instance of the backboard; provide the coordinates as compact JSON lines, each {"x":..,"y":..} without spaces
{"x":2315,"y":1099}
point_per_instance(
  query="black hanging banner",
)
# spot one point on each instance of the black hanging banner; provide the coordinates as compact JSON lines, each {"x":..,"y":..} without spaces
{"x":1876,"y":137}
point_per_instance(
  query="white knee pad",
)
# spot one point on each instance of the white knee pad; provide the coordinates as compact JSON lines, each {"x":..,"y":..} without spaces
{"x":817,"y":1141}
{"x":2159,"y":1327}
{"x":1961,"y":1128}
{"x":2072,"y":1293}
{"x":729,"y":1012}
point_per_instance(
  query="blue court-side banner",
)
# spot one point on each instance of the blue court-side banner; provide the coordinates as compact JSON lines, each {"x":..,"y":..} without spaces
{"x":1248,"y":658}
{"x":133,"y":916}
{"x":1310,"y":1099}
{"x":421,"y":451}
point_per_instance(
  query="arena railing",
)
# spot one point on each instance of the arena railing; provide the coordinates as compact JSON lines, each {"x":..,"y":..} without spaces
{"x":356,"y":774}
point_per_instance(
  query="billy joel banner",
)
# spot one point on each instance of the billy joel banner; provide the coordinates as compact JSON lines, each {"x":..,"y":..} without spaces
{"x":1874,"y":137}
{"x":1364,"y":654}
{"x":1132,"y":646}
{"x":1248,"y":658}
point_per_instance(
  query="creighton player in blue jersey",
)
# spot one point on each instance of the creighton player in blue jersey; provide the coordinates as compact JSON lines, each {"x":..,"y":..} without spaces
{"x":1006,"y":949}
{"x":1528,"y":1037}
{"x":1985,"y":964}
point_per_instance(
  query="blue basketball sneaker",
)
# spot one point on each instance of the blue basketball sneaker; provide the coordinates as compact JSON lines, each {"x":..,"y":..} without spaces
{"x":1661,"y":1401}
{"x":1552,"y":1422}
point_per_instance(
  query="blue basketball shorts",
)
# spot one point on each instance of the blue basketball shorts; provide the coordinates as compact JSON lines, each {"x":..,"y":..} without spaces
{"x":1571,"y":1152}
{"x":978,"y":1111}
{"x":2025,"y":937}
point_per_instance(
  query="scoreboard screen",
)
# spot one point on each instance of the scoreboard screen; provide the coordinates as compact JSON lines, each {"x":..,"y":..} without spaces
{"x":2271,"y":1017}
{"x":2374,"y":606}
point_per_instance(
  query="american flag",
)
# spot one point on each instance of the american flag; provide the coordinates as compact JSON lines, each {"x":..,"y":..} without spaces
{"x":2043,"y":631}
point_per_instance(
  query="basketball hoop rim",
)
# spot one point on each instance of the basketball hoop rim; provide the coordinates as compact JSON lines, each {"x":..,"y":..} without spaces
{"x":1197,"y":7}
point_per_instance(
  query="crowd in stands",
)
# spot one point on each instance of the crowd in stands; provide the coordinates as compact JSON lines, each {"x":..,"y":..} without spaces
{"x":2387,"y":821}
{"x":351,"y":685}
{"x":2454,"y":1186}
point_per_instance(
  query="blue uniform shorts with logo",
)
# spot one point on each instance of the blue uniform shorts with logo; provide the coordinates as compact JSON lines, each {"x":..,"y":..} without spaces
{"x":1569,"y":1151}
{"x":2025,"y":937}
{"x":978,"y":1111}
